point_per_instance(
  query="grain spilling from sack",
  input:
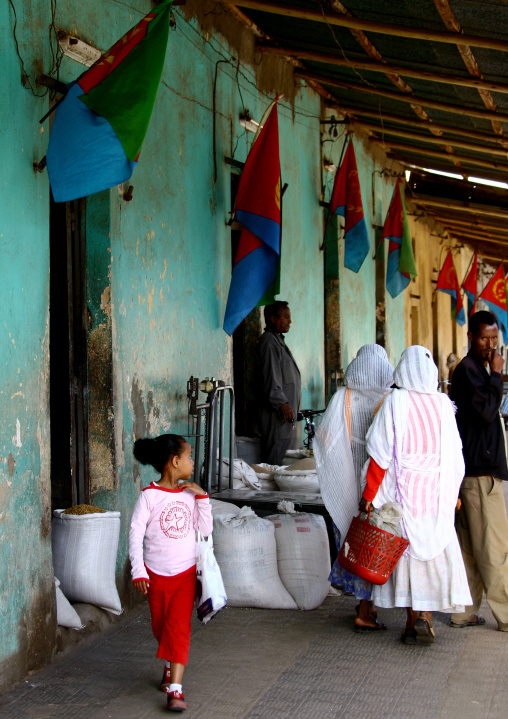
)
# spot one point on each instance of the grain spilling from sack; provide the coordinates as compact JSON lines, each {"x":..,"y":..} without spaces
{"x":84,"y":509}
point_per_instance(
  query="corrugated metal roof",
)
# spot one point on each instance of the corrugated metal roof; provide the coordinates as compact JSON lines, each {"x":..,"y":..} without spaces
{"x":457,"y":108}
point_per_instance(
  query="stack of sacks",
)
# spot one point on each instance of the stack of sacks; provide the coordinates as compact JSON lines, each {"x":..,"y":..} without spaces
{"x":244,"y":477}
{"x":303,"y":557}
{"x":264,"y":474}
{"x":293,"y":455}
{"x":301,"y":476}
{"x":246,"y":551}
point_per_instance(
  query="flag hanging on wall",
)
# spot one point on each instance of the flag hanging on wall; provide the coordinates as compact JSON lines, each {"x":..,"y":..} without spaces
{"x":470,"y":286}
{"x":257,"y":208}
{"x":100,"y":125}
{"x":346,"y":200}
{"x":401,"y":267}
{"x":494,"y":295}
{"x":448,"y":282}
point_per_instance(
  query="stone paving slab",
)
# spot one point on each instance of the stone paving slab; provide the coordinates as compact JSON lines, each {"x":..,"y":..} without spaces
{"x":266,"y":664}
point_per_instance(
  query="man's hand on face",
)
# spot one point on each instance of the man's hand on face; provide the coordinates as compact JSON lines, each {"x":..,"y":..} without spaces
{"x":496,"y":362}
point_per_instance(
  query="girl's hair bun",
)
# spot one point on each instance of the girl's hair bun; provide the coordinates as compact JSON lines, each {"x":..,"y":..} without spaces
{"x":158,"y":451}
{"x":145,"y":450}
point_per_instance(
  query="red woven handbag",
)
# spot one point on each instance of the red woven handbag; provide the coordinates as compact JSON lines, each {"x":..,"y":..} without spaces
{"x":369,"y":552}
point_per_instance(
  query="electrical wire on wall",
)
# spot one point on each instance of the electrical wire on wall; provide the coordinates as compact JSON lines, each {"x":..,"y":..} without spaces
{"x":56,"y":53}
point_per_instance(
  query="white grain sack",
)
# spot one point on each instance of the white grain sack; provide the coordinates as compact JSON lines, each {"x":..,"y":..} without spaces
{"x":247,"y":555}
{"x":84,"y":557}
{"x":303,"y":556}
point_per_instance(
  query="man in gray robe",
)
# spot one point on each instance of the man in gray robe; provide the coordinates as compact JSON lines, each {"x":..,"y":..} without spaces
{"x":279,"y":383}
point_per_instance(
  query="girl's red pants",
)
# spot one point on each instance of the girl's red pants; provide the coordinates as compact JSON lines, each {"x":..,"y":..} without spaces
{"x":171,"y":601}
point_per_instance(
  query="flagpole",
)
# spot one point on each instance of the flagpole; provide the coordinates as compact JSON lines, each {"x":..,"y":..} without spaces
{"x":265,"y":115}
{"x":349,"y":132}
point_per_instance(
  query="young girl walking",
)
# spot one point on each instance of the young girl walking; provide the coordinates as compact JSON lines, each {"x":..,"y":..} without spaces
{"x":162,"y":550}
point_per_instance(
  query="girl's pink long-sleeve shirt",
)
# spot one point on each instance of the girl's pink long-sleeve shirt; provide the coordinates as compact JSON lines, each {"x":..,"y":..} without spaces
{"x":162,"y":533}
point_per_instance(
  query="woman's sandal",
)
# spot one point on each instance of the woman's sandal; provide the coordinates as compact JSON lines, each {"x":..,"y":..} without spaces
{"x":409,"y":636}
{"x":425,"y":630}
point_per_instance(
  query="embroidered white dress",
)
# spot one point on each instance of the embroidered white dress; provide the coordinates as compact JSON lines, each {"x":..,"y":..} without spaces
{"x":415,"y":437}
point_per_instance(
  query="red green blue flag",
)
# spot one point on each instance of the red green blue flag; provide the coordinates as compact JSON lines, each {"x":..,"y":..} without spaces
{"x":470,"y":286}
{"x":257,"y":208}
{"x":401,"y":267}
{"x":100,"y":125}
{"x":346,"y":201}
{"x":494,"y":295}
{"x":448,"y":282}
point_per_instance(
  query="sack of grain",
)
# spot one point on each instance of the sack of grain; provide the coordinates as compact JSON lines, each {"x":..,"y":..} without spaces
{"x":66,"y":615}
{"x":244,"y":477}
{"x":301,"y":476}
{"x":84,"y":557}
{"x":264,"y":474}
{"x":293,"y":455}
{"x":247,"y":555}
{"x":219,"y":507}
{"x":303,"y":556}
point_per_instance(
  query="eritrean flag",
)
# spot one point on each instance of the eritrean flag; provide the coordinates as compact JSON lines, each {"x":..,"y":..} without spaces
{"x":494,"y":295}
{"x":470,"y":286}
{"x":257,"y":208}
{"x":401,"y":267}
{"x":346,"y":201}
{"x":447,"y":282}
{"x":100,"y":125}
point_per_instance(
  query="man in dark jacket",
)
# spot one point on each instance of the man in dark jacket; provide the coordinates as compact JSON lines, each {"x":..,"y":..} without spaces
{"x":482,"y":526}
{"x":279,"y":386}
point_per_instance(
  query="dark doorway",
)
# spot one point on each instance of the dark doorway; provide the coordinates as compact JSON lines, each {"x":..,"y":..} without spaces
{"x":69,"y":319}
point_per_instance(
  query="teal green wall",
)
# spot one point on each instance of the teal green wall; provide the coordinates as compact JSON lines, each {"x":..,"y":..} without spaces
{"x":27,"y":626}
{"x":158,"y":276}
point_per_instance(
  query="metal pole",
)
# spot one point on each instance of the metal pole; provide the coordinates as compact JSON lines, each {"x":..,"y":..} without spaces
{"x":221,"y":399}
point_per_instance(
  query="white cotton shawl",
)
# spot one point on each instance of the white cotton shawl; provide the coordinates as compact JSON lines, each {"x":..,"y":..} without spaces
{"x":428,"y":532}
{"x":340,"y":450}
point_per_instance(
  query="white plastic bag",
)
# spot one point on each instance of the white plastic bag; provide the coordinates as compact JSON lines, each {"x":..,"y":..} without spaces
{"x":303,"y":555}
{"x":84,"y":557}
{"x":210,"y":594}
{"x":66,"y":615}
{"x":247,"y":555}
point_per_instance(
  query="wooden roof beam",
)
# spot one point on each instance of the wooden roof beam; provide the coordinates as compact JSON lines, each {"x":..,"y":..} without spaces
{"x":390,"y":117}
{"x":383,"y":28}
{"x":460,"y":207}
{"x":385,"y":68}
{"x":479,"y":236}
{"x":371,"y":51}
{"x":469,"y":224}
{"x":451,"y":22}
{"x":425,"y":102}
{"x":500,"y":167}
{"x":385,"y":130}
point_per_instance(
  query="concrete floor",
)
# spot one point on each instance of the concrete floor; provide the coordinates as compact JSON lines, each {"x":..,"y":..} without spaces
{"x":260,"y":664}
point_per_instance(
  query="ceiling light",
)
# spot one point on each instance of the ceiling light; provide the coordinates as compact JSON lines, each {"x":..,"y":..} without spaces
{"x":408,"y":175}
{"x":444,"y":174}
{"x":490,"y":183}
{"x":78,"y":50}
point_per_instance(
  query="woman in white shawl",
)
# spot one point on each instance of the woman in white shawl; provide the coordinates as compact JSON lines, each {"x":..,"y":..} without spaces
{"x":416,"y":459}
{"x":340,"y":451}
